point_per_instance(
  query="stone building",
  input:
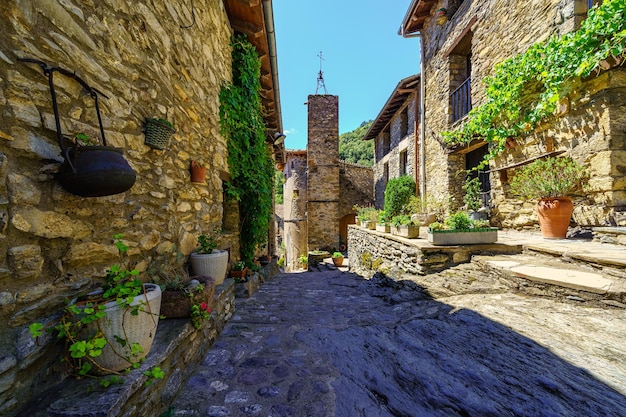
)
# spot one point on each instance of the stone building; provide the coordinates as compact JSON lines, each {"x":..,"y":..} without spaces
{"x":459,"y":50}
{"x":150,"y":59}
{"x":396,"y":148}
{"x":320,"y":190}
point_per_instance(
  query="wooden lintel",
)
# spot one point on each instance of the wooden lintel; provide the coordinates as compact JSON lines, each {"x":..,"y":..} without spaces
{"x":527,"y":161}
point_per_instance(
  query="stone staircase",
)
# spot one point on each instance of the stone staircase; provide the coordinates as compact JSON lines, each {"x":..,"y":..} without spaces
{"x":576,"y":270}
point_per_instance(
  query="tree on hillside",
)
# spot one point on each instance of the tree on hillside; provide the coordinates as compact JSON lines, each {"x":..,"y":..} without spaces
{"x":355,"y":150}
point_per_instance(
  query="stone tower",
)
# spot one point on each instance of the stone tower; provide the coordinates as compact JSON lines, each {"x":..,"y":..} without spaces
{"x":323,"y":172}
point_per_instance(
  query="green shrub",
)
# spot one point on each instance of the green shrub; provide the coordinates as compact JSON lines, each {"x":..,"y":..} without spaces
{"x":459,"y":220}
{"x":548,"y":178}
{"x":398,"y":194}
{"x":472,"y":193}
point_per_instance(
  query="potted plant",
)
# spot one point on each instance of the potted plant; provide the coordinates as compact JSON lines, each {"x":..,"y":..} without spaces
{"x":110,"y":329}
{"x":367,"y":216}
{"x":304,"y":261}
{"x":384,"y":223}
{"x":198,"y":172}
{"x":337,"y":258}
{"x":472,"y":198}
{"x":179,"y":291}
{"x":207,"y":260}
{"x":550,"y":181}
{"x":239,"y":271}
{"x":404,"y":226}
{"x":440,"y":14}
{"x":423,"y":211}
{"x":459,"y":229}
{"x":158,"y":132}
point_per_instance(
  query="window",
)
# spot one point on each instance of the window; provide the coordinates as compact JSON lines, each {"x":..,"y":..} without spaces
{"x":404,"y":122}
{"x":386,"y":142}
{"x":403,"y":162}
{"x":591,"y":3}
{"x":460,"y":61}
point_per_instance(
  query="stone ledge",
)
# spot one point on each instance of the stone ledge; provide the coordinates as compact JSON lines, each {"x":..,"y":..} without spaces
{"x":177,"y":350}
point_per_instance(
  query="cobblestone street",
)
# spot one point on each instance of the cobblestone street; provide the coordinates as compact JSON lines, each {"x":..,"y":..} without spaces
{"x":330,"y":343}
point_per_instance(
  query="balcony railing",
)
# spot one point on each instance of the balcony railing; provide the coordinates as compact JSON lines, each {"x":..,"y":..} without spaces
{"x":461,"y":100}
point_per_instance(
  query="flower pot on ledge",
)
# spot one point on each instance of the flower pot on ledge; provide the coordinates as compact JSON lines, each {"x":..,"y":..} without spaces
{"x":463,"y":237}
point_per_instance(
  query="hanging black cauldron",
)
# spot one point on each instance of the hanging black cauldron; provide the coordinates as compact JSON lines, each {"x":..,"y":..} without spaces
{"x":96,"y":171}
{"x":88,"y":171}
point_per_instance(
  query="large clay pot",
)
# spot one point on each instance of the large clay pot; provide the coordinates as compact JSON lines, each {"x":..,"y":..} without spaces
{"x":554,"y":216}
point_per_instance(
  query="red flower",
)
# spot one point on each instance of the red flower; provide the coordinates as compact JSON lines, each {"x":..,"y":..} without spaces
{"x":204,"y":306}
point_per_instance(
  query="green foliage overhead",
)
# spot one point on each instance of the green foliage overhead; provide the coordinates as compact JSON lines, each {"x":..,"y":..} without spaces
{"x":279,"y":180}
{"x":398,"y":194}
{"x":352,"y":147}
{"x":249,"y":159}
{"x":525,"y":89}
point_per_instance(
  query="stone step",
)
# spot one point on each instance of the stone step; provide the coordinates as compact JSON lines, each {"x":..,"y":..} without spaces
{"x":546,"y":271}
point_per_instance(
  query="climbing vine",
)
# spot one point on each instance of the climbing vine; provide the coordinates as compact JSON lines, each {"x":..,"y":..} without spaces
{"x":249,"y":158}
{"x":526,"y":88}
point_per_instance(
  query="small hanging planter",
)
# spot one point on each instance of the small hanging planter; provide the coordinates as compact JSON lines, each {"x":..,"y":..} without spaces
{"x":87,"y":171}
{"x":198,"y":172}
{"x":158,"y":133}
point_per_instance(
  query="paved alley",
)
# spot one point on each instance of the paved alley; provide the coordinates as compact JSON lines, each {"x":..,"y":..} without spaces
{"x":330,"y":343}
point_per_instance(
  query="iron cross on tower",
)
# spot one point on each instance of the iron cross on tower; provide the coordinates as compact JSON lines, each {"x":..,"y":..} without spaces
{"x":320,"y":76}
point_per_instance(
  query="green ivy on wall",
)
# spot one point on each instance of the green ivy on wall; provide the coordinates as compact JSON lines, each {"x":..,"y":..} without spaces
{"x":249,"y":159}
{"x":526,"y":88}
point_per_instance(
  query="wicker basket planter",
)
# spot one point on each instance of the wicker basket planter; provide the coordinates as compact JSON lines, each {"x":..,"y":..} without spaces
{"x":177,"y":303}
{"x":158,"y":133}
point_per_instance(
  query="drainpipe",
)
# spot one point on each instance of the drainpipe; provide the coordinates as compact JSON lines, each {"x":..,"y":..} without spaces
{"x":422,"y":145}
{"x":268,"y":14}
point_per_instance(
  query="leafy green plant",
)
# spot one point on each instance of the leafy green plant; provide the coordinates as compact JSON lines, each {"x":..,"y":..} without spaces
{"x":548,"y":178}
{"x":472,"y":193}
{"x":383,"y":218}
{"x":85,"y":140}
{"x":459,"y":221}
{"x":525,"y":89}
{"x":239,"y":266}
{"x":200,"y":312}
{"x":365,"y":213}
{"x":153,"y":374}
{"x":337,"y":255}
{"x":208,"y":242}
{"x":249,"y":159}
{"x":163,"y":121}
{"x":79,"y":321}
{"x":403,"y":220}
{"x":397,"y":194}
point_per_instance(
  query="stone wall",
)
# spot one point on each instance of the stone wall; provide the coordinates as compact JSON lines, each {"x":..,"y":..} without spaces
{"x":323,"y":171}
{"x":490,"y":32}
{"x":356,"y":183}
{"x":399,"y":143}
{"x":370,"y":251}
{"x":54,"y":245}
{"x":294,"y":209}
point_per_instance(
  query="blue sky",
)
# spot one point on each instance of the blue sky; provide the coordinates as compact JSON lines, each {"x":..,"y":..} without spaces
{"x":364,"y":58}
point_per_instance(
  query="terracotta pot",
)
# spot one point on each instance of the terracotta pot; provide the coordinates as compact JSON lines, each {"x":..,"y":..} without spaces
{"x":554,"y":216}
{"x":198,"y":172}
{"x":338,"y":261}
